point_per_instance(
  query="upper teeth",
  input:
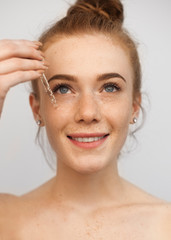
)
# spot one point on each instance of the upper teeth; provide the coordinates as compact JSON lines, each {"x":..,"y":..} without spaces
{"x":90,"y":139}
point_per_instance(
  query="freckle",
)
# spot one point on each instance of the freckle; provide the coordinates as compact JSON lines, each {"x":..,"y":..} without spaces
{"x":65,"y":219}
{"x":37,"y":224}
{"x":88,"y":234}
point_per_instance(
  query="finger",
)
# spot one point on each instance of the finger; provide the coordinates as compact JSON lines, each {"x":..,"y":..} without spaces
{"x":9,"y":49}
{"x":12,"y":79}
{"x":20,"y":42}
{"x":20,"y":64}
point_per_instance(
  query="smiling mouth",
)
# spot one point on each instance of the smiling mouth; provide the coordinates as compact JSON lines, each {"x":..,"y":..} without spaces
{"x":87,"y":139}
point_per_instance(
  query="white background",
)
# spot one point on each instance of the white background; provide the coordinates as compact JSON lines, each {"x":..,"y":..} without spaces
{"x":22,"y":164}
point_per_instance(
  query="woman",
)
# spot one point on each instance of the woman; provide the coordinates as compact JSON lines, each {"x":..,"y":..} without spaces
{"x":86,"y":94}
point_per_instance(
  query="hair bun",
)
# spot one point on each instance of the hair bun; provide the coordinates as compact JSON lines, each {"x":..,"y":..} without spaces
{"x":112,"y":9}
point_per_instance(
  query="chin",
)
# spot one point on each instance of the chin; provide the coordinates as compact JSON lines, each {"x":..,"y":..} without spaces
{"x":88,"y":167}
{"x":87,"y":171}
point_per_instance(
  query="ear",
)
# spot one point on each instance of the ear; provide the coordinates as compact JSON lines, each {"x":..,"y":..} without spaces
{"x":35,"y":106}
{"x":136,"y":107}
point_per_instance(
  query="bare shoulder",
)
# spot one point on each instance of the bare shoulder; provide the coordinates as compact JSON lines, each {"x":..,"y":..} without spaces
{"x":137,"y":194}
{"x":17,"y":212}
{"x":159,"y":214}
{"x":7,"y":210}
{"x":7,"y":203}
{"x":153,"y":208}
{"x":165,"y":213}
{"x":10,"y":203}
{"x":6,"y":200}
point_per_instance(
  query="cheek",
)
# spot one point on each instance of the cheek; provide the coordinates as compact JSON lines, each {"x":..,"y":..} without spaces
{"x":121,"y":103}
{"x":56,"y":119}
{"x":118,"y":117}
{"x":118,"y":113}
{"x":55,"y":116}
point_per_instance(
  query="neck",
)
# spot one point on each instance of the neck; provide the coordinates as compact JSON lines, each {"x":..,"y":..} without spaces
{"x":103,"y":188}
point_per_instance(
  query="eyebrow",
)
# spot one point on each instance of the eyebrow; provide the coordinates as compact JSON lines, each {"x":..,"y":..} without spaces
{"x":100,"y":77}
{"x":62,"y":77}
{"x":107,"y":76}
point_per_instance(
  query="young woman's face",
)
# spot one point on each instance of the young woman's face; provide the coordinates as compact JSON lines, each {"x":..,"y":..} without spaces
{"x":92,"y":81}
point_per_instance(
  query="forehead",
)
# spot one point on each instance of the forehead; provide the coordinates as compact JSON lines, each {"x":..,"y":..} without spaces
{"x":88,"y":54}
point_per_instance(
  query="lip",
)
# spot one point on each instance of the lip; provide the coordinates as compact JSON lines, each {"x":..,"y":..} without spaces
{"x":84,"y":135}
{"x":88,"y":145}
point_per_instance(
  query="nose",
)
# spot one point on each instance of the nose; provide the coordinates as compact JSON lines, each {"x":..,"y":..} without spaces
{"x":88,"y":109}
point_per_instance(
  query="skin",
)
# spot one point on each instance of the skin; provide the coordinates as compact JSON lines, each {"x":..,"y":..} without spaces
{"x":20,"y":61}
{"x":87,"y":199}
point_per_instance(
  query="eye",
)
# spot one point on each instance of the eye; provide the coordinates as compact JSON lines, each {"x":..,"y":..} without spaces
{"x":61,"y":89}
{"x":111,"y":87}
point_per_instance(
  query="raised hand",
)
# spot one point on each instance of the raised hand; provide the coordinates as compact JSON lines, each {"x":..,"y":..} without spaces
{"x":20,"y":61}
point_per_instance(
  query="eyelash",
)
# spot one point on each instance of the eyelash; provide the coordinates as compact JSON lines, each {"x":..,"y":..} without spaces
{"x":59,"y":85}
{"x":113,"y":85}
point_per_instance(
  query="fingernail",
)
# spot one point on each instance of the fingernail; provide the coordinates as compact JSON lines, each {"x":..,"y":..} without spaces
{"x":45,"y":67}
{"x":40,"y":71}
{"x":45,"y":63}
{"x":38,"y":43}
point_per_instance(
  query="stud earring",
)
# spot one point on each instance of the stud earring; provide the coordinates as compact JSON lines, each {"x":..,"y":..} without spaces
{"x":38,"y":122}
{"x":134,"y":120}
